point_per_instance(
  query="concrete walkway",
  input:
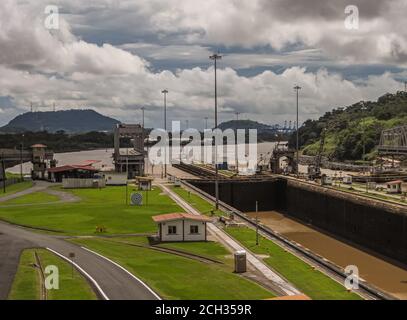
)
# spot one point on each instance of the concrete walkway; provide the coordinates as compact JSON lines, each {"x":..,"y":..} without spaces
{"x":284,"y":286}
{"x":37,"y":187}
{"x":40,"y":186}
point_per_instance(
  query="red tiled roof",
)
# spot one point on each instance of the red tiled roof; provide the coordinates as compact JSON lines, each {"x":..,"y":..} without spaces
{"x":38,"y":145}
{"x":177,"y":216}
{"x":395,"y":182}
{"x":71,"y":167}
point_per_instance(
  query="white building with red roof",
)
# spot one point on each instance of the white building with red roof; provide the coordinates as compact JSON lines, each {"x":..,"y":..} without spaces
{"x":178,"y":227}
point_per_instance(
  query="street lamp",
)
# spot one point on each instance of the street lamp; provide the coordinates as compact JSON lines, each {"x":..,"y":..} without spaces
{"x":165,"y":92}
{"x":297,"y":89}
{"x":143,"y":137}
{"x":215,"y":57}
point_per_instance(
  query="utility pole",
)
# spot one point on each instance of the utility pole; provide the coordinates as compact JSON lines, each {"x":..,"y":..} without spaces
{"x":297,"y":89}
{"x":31,"y":107}
{"x":143,"y":136}
{"x":237,"y":115}
{"x":21,"y":157}
{"x":127,"y":173}
{"x":165,"y":92}
{"x":215,"y":57}
{"x":3,"y":173}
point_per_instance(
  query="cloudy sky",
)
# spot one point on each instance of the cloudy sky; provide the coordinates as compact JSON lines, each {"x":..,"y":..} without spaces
{"x":116,"y":56}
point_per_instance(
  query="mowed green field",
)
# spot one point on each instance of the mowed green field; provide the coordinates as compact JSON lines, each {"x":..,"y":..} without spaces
{"x":17,"y":187}
{"x":32,"y":198}
{"x":197,"y":202}
{"x":105,"y":207}
{"x":27,"y":282}
{"x":176,"y":277}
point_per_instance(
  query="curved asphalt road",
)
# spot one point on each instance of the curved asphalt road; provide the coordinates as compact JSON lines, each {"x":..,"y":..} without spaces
{"x":114,"y":281}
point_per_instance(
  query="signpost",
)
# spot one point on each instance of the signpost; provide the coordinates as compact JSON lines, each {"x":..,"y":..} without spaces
{"x":3,"y":176}
{"x":72,"y":256}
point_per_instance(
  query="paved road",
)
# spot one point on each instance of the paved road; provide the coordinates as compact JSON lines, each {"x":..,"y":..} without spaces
{"x":114,"y":282}
{"x":10,"y":250}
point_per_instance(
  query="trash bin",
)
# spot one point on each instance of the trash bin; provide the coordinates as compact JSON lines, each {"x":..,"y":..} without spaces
{"x":240,"y":261}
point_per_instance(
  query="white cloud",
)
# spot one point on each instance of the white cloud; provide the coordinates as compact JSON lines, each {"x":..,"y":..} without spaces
{"x":44,"y":67}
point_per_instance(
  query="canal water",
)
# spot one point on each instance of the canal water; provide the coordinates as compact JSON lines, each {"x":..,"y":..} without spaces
{"x":376,"y":271}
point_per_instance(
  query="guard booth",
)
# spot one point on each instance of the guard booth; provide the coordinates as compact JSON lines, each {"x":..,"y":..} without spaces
{"x":240,"y":261}
{"x":144,"y":183}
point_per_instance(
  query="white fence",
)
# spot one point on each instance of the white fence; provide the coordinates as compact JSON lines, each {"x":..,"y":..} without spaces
{"x":73,"y":183}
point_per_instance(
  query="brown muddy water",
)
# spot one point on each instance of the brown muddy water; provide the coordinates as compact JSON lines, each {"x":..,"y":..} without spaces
{"x":382,"y":274}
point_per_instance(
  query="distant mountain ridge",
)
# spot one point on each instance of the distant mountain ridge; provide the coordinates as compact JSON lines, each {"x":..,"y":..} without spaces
{"x":70,"y":121}
{"x":246,"y":124}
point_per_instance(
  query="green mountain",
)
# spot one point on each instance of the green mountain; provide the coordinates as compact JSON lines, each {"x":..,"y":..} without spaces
{"x":353,"y":132}
{"x":265,"y":132}
{"x":71,"y":121}
{"x":245,"y":124}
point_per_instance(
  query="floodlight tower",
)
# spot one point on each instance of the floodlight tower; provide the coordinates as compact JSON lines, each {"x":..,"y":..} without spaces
{"x":165,"y":92}
{"x":297,"y":88}
{"x":215,"y":57}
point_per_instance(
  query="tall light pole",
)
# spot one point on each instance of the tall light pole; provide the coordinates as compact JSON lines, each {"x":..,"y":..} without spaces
{"x":165,"y":92}
{"x":297,"y":88}
{"x":143,"y":137}
{"x":215,"y":57}
{"x":236,"y":156}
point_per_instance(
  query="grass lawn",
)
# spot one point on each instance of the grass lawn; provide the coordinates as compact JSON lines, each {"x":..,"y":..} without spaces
{"x":311,"y":282}
{"x":105,"y":207}
{"x":32,"y":198}
{"x":17,"y":187}
{"x":175,"y":277}
{"x":196,"y":201}
{"x":26,"y":285}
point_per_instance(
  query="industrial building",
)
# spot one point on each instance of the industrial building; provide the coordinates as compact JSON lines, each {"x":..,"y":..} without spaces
{"x":130,"y":160}
{"x":57,"y":174}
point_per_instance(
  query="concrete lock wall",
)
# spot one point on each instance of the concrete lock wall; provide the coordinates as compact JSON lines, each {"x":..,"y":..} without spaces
{"x":243,"y":195}
{"x":374,"y":225}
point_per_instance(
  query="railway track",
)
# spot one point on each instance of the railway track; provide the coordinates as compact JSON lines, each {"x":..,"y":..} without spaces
{"x":365,"y":289}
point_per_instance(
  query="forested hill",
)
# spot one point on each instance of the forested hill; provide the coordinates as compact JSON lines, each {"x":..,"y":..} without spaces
{"x":353,"y":132}
{"x":72,"y":121}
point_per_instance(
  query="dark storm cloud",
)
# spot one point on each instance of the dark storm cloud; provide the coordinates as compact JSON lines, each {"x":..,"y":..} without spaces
{"x":323,"y":9}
